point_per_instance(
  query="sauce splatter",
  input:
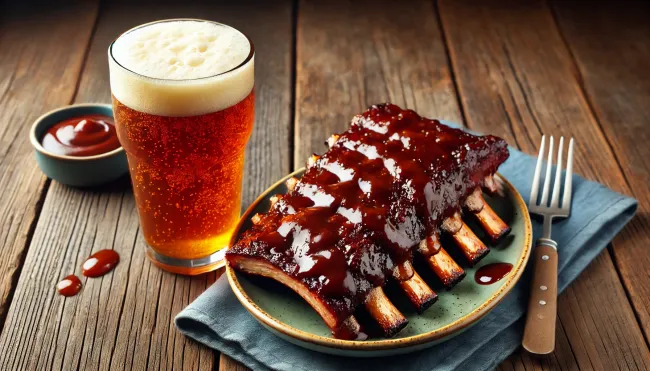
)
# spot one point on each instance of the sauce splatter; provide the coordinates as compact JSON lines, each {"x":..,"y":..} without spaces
{"x":69,"y":286}
{"x":491,"y":273}
{"x":100,"y":263}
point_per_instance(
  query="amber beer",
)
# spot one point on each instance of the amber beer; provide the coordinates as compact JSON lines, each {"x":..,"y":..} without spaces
{"x":183,"y":102}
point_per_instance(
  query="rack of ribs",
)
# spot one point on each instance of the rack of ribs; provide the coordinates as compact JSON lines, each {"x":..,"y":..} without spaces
{"x":383,"y":193}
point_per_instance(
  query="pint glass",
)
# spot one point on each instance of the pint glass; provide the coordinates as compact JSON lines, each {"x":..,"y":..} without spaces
{"x":183,"y":102}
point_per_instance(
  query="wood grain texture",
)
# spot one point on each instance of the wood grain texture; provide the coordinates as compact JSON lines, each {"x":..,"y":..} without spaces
{"x":124,"y":320}
{"x":611,"y":46}
{"x":34,"y":78}
{"x":561,"y":359}
{"x":517,"y":79}
{"x":228,"y":364}
{"x":372,"y":52}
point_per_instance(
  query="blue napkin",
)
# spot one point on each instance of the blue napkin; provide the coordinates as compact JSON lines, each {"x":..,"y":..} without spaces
{"x":217,"y":319}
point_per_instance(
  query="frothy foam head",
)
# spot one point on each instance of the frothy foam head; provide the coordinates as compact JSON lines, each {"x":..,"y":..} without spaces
{"x":181,"y":67}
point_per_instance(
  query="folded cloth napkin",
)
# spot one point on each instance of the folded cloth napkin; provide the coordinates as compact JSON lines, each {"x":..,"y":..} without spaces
{"x":217,"y":319}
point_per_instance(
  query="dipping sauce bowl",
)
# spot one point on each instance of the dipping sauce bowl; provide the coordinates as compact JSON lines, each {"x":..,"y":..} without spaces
{"x":77,"y":171}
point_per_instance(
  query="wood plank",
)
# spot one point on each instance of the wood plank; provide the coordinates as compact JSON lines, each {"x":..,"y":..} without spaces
{"x":562,"y":359}
{"x":228,"y":364}
{"x":611,"y":46}
{"x":124,"y":320}
{"x":371,"y":53}
{"x":517,"y":79}
{"x":34,"y":78}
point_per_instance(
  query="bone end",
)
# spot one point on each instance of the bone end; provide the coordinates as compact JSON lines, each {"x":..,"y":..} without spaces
{"x":492,"y":186}
{"x":384,"y":312}
{"x":447,"y":270}
{"x":493,"y":226}
{"x":472,"y":247}
{"x":418,"y":292}
{"x":350,"y":329}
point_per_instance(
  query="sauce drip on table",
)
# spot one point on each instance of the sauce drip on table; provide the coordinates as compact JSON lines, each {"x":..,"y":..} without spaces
{"x":491,"y":273}
{"x":100,"y":263}
{"x":81,"y":136}
{"x":69,"y":286}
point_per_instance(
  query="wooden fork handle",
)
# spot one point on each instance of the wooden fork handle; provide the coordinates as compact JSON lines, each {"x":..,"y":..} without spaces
{"x":539,"y":334}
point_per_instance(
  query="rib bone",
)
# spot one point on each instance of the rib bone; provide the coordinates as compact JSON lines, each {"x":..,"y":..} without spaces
{"x":418,"y":292}
{"x":350,"y":329}
{"x":266,"y":269}
{"x":439,"y":261}
{"x":389,"y":318}
{"x":471,"y":246}
{"x":492,"y":186}
{"x":430,"y":245}
{"x":445,"y":268}
{"x":493,"y":226}
{"x":403,"y":271}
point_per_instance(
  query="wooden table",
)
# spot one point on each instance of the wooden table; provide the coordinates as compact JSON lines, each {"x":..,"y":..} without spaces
{"x":516,"y":70}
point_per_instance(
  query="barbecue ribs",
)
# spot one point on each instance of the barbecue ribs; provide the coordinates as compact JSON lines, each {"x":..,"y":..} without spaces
{"x":384,"y":192}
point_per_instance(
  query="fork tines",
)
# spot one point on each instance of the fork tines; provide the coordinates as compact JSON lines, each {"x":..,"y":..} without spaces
{"x":543,"y":207}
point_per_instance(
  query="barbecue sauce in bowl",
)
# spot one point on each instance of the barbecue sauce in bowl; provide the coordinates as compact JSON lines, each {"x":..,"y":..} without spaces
{"x":81,"y":136}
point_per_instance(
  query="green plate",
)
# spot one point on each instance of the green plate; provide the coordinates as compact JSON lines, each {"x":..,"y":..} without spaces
{"x":287,"y":315}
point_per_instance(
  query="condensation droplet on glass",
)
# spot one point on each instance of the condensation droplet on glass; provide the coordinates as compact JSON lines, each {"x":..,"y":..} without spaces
{"x":543,"y":288}
{"x":542,"y":302}
{"x":544,"y":257}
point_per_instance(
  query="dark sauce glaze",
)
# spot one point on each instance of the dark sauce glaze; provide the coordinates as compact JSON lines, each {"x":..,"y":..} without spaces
{"x":100,"y":263}
{"x":491,"y":273}
{"x":386,"y":184}
{"x":69,"y":286}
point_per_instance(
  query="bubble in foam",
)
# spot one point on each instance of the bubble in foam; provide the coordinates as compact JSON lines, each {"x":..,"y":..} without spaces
{"x":148,"y":50}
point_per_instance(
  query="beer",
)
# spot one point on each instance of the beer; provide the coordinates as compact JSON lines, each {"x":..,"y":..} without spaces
{"x":183,"y":102}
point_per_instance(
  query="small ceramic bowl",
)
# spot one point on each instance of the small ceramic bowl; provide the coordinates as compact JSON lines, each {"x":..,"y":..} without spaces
{"x":73,"y":170}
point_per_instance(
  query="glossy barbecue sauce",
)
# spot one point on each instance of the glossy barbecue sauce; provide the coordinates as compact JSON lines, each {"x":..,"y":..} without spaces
{"x":491,"y":273}
{"x":69,"y":286}
{"x":80,"y":136}
{"x":100,"y":263}
{"x":385,"y":184}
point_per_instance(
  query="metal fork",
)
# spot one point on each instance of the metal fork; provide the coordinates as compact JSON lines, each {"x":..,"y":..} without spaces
{"x":539,"y":334}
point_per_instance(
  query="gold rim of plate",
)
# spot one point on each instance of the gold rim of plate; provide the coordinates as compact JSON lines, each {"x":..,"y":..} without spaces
{"x":383,"y":344}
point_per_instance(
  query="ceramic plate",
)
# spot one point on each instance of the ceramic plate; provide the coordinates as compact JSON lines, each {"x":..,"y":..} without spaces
{"x":286,"y":314}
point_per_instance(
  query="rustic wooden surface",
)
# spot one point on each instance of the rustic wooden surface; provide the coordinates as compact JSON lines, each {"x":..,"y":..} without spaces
{"x":514,"y":69}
